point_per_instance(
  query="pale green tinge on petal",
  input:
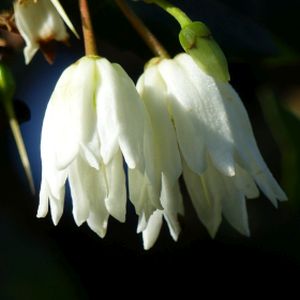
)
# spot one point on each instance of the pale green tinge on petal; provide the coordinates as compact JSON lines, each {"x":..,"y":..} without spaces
{"x":38,"y":21}
{"x":234,"y":208}
{"x":245,"y":183}
{"x":116,"y":199}
{"x":98,"y":217}
{"x":205,"y":194}
{"x":213,"y":193}
{"x":151,"y":233}
{"x":120,"y":115}
{"x":141,"y":194}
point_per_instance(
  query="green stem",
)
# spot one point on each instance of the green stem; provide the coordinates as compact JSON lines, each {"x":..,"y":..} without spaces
{"x":176,"y":12}
{"x":151,"y":41}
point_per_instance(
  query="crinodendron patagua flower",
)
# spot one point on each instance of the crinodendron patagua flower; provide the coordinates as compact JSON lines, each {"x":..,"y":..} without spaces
{"x":220,"y":160}
{"x":94,"y":117}
{"x":40,"y":22}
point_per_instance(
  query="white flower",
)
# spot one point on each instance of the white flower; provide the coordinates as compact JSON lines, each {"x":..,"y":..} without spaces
{"x":40,"y":21}
{"x":158,"y":187}
{"x":221,"y":162}
{"x":93,"y":117}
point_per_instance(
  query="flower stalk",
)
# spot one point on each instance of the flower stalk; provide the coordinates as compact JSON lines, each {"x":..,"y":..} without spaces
{"x":87,"y":29}
{"x":7,"y":90}
{"x":174,"y":11}
{"x":149,"y":38}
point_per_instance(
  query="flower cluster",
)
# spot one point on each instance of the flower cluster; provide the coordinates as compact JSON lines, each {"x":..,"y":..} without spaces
{"x":181,"y":121}
{"x":182,"y":118}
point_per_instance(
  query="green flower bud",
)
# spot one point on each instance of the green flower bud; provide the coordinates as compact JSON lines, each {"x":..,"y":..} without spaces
{"x":196,"y":40}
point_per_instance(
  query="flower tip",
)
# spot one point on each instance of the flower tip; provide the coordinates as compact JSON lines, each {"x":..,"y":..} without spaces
{"x":78,"y":221}
{"x":40,"y":214}
{"x":147,"y":245}
{"x":55,"y":219}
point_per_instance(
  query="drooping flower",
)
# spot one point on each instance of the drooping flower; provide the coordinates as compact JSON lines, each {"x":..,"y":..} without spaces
{"x":88,"y":126}
{"x":221,"y":163}
{"x":156,"y":192}
{"x":39,"y":22}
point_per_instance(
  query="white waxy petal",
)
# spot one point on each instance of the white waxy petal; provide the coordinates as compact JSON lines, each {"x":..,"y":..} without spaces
{"x":151,"y":233}
{"x":57,"y":207}
{"x":70,"y":117}
{"x":172,"y":203}
{"x":245,"y":183}
{"x":181,"y":99}
{"x":205,"y":192}
{"x":57,"y":141}
{"x":248,"y":151}
{"x":154,"y":94}
{"x":234,"y":208}
{"x":38,"y":21}
{"x":120,"y":115}
{"x":208,"y":105}
{"x":116,"y":198}
{"x":142,"y":224}
{"x":53,"y":180}
{"x":89,"y":190}
{"x":44,"y":200}
{"x":142,"y":194}
{"x":64,"y":16}
{"x":190,"y":140}
{"x":98,"y":217}
{"x":80,"y":180}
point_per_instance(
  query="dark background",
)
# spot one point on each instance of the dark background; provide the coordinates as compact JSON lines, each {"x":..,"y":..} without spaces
{"x":40,"y":261}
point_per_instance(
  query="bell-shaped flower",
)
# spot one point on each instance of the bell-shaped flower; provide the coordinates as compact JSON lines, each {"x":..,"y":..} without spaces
{"x":157,"y":188}
{"x":220,"y":159}
{"x":93,"y":117}
{"x":39,"y":22}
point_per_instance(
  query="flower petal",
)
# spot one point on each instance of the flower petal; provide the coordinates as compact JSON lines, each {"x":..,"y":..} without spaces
{"x":151,"y":233}
{"x":209,"y":107}
{"x":249,"y":154}
{"x":206,"y":193}
{"x":171,"y":200}
{"x":80,"y":180}
{"x":120,"y":114}
{"x":166,"y":157}
{"x":141,"y":194}
{"x":116,"y":199}
{"x":38,"y":21}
